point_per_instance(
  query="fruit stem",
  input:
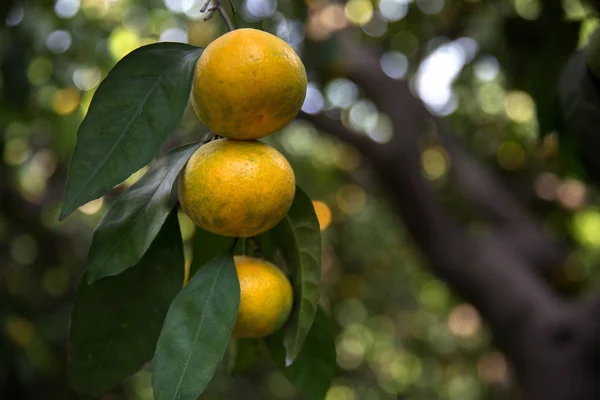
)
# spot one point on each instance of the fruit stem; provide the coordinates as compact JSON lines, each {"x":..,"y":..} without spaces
{"x":255,"y":249}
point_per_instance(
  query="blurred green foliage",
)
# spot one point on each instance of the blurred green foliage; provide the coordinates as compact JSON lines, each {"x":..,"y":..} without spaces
{"x":490,"y":66}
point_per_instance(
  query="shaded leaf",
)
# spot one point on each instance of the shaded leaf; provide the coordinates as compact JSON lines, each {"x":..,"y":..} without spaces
{"x":133,"y":111}
{"x":242,"y":355}
{"x":314,"y":368}
{"x":196,"y":331}
{"x":299,"y":238}
{"x":116,"y":321}
{"x":535,"y":64}
{"x":135,"y":218}
{"x":207,"y":246}
{"x":580,"y":104}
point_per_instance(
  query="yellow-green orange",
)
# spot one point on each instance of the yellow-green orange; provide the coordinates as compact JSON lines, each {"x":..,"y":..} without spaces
{"x":265,"y":298}
{"x":237,"y":188}
{"x":248,"y":84}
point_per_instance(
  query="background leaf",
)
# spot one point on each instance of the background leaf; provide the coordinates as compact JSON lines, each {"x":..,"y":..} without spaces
{"x":313,"y":370}
{"x":116,"y":321}
{"x":135,"y":218}
{"x":580,"y":104}
{"x":243,"y":354}
{"x":196,"y":331}
{"x":133,"y":111}
{"x":535,"y":64}
{"x":207,"y":246}
{"x":299,"y":238}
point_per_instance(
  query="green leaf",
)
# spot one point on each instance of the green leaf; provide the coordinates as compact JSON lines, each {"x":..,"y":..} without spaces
{"x":207,"y":246}
{"x":135,"y":218}
{"x":133,"y":111}
{"x":299,"y":238}
{"x":196,"y":331}
{"x":313,"y":370}
{"x":243,"y":353}
{"x":116,"y":321}
{"x":580,"y":104}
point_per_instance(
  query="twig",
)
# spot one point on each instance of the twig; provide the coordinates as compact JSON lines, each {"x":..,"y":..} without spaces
{"x":218,"y":8}
{"x":233,"y":13}
{"x":225,"y":18}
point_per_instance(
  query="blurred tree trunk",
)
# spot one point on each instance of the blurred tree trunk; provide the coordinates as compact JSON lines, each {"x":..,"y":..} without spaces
{"x":552,"y":342}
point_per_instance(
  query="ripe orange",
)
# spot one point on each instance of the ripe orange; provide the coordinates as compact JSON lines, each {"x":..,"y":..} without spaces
{"x":237,"y":188}
{"x":265,"y":298}
{"x":248,"y":84}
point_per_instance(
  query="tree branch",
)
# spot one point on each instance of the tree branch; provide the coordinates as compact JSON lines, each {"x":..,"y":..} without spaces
{"x":493,"y":272}
{"x":477,"y":183}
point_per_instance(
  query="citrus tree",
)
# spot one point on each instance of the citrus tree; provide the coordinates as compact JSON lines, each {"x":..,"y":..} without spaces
{"x":137,"y":302}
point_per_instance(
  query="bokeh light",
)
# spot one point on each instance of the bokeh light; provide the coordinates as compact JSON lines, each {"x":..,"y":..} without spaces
{"x":511,"y":155}
{"x":430,"y":7}
{"x":519,"y":106}
{"x":492,"y":368}
{"x":394,"y":64}
{"x":393,"y":10}
{"x":528,"y":9}
{"x":313,"y":102}
{"x":586,"y":227}
{"x":66,"y":8}
{"x":464,"y":320}
{"x":65,"y":101}
{"x":435,"y":162}
{"x":59,"y":41}
{"x":487,"y":68}
{"x":359,"y":12}
{"x":341,"y":92}
{"x":571,"y":193}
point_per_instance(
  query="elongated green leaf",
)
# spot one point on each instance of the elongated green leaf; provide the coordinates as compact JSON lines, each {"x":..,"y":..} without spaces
{"x":135,"y":218}
{"x":196,"y":331}
{"x":580,"y":103}
{"x":313,"y":370}
{"x":299,"y":238}
{"x":133,"y":111}
{"x":116,"y":321}
{"x":207,"y":246}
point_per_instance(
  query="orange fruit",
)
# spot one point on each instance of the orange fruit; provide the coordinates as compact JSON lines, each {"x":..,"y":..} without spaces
{"x":248,"y":84}
{"x":236,"y":188}
{"x":265,"y":298}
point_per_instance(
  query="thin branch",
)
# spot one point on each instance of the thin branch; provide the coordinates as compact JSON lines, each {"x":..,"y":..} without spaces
{"x":225,"y":17}
{"x":233,"y":14}
{"x":218,"y":7}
